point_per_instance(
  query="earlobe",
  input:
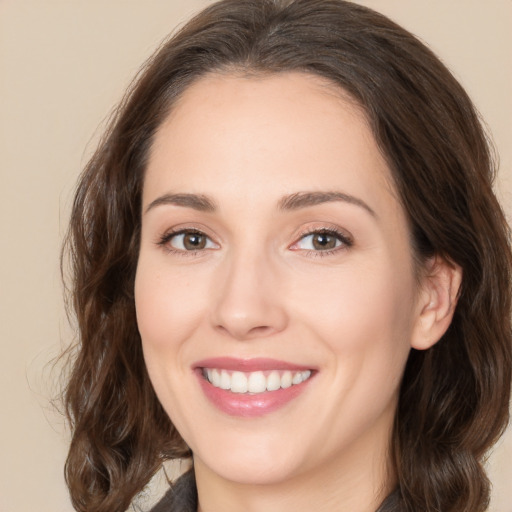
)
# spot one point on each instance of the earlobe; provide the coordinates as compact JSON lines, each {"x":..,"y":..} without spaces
{"x":436,"y":303}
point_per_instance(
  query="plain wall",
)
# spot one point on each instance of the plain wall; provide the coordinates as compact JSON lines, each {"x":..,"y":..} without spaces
{"x":63,"y":65}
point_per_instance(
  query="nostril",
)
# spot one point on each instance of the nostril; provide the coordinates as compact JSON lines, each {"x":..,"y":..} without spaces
{"x":242,"y":333}
{"x":263,"y":329}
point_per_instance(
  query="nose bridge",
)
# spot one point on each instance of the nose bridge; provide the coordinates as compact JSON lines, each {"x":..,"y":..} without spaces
{"x":248,"y":303}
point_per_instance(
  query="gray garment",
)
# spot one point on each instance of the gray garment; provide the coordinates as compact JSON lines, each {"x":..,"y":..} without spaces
{"x":181,"y":497}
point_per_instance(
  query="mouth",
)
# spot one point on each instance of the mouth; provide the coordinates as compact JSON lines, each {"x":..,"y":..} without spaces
{"x":254,"y":382}
{"x":254,"y":387}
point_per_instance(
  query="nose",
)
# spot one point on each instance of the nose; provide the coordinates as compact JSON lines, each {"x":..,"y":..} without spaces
{"x":249,"y":300}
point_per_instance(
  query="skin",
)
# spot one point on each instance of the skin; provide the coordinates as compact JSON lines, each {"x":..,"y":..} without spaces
{"x":260,"y":289}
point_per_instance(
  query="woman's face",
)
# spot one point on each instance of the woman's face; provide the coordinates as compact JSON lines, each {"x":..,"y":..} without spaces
{"x":275,"y":262}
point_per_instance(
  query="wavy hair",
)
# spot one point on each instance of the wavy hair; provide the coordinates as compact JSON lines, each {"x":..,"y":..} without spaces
{"x":454,"y":397}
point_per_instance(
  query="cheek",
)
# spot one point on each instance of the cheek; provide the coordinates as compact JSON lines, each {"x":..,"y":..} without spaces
{"x":168,"y":304}
{"x":350,"y":303}
{"x":168,"y":310}
{"x":363,"y":318}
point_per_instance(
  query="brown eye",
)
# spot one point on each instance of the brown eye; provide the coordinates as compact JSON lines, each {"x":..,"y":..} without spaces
{"x":324,"y":241}
{"x":194,"y":241}
{"x":189,"y":241}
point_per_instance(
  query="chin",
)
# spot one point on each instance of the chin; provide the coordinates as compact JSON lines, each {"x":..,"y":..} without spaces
{"x":261,"y":464}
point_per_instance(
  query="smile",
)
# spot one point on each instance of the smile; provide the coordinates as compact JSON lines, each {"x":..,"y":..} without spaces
{"x":254,"y":382}
{"x":251,"y":387}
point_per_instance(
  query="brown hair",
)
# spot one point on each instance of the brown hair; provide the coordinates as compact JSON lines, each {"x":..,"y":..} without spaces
{"x":454,"y":397}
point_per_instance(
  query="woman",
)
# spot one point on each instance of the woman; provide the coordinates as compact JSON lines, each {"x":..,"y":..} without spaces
{"x":289,"y":265}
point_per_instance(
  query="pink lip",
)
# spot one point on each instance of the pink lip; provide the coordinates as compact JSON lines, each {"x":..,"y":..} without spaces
{"x":249,"y":365}
{"x":244,"y":404}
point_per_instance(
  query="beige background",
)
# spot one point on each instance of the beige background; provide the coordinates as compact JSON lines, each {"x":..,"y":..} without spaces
{"x":63,"y":65}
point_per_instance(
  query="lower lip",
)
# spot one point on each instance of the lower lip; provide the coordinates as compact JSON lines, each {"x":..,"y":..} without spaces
{"x":249,"y":405}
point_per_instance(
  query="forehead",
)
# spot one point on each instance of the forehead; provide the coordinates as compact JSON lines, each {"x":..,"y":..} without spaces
{"x":229,"y":132}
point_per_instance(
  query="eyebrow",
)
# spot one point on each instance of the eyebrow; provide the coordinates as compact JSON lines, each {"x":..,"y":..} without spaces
{"x":291,"y":202}
{"x":198,"y":202}
{"x":306,"y":199}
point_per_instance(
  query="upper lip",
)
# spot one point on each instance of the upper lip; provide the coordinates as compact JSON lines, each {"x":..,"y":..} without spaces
{"x":249,"y":365}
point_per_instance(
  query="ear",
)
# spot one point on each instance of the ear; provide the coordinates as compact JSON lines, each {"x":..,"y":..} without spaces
{"x":436,"y":302}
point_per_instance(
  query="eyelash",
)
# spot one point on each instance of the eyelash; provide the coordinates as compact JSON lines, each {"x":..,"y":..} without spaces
{"x":344,"y":238}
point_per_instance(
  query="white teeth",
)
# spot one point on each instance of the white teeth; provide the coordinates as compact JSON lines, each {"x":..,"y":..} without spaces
{"x":254,"y":382}
{"x":297,"y":378}
{"x":215,"y":378}
{"x":286,"y":380}
{"x":257,"y":383}
{"x":225,"y":380}
{"x":238,"y":382}
{"x":273,"y":381}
